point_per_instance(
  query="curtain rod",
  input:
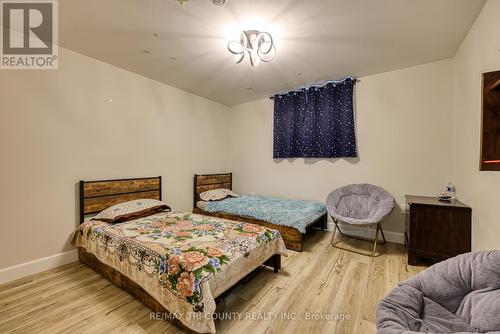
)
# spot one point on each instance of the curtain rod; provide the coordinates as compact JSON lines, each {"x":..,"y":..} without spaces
{"x":319,"y":84}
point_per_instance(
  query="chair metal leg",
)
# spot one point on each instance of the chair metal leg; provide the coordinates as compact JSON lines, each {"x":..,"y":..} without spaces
{"x":334,"y":232}
{"x":375,"y":241}
{"x":382,"y":232}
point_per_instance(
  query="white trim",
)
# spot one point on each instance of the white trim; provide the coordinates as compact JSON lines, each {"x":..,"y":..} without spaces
{"x":364,"y":232}
{"x":36,"y":266}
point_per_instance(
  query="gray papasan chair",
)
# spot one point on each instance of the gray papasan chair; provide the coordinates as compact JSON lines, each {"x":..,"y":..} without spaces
{"x":459,"y":295}
{"x":361,"y":205}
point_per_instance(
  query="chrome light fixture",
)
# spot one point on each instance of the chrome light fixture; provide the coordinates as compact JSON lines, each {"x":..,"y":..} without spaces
{"x":215,"y":2}
{"x":258,"y":45}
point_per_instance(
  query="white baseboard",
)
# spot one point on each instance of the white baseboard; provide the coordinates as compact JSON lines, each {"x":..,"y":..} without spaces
{"x":36,"y":266}
{"x":395,"y":237}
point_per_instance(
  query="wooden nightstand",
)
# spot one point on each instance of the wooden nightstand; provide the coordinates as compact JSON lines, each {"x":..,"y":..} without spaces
{"x":436,"y":230}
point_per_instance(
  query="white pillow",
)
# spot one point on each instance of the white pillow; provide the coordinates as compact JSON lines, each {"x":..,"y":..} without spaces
{"x":131,"y":210}
{"x":217,"y":194}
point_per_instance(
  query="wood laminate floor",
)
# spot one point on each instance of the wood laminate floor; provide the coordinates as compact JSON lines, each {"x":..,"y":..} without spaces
{"x":321,"y":282}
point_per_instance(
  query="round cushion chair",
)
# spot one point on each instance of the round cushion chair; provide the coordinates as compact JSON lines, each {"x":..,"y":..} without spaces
{"x":360,"y":205}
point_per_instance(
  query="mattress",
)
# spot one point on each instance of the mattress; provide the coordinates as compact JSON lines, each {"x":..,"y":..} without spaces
{"x":182,"y":260}
{"x":298,"y":214}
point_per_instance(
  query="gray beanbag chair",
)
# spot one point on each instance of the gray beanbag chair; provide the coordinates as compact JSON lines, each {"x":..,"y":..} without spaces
{"x":461,"y":294}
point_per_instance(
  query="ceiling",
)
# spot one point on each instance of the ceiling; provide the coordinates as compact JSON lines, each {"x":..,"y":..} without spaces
{"x":315,"y":39}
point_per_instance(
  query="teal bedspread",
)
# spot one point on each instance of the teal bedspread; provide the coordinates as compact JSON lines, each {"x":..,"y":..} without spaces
{"x":294,"y":213}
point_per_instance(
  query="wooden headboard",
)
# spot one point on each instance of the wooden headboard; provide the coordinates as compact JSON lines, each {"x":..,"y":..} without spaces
{"x":209,"y":182}
{"x":96,"y":196}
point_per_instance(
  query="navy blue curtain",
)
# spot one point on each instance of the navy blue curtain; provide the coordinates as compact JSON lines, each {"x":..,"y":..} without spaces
{"x":316,"y":122}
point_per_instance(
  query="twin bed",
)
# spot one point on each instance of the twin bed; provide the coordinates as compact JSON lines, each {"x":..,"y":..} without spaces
{"x":174,"y":262}
{"x":292,"y":218}
{"x":179,"y":263}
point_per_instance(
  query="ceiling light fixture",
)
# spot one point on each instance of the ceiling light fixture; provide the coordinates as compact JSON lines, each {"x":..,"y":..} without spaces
{"x":215,"y":2}
{"x":218,"y":2}
{"x":258,"y":45}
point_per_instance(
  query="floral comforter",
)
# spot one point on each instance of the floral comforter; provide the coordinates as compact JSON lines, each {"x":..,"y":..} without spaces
{"x":183,"y":260}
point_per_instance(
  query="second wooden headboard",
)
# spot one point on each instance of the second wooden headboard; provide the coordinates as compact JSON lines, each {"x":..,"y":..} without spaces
{"x":96,"y":196}
{"x":209,"y":182}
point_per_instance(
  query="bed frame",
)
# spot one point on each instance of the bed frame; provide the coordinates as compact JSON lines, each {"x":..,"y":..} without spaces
{"x":96,"y":196}
{"x":292,"y":237}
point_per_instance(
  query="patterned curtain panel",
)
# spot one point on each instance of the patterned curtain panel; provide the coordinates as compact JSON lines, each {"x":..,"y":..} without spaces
{"x":316,"y":122}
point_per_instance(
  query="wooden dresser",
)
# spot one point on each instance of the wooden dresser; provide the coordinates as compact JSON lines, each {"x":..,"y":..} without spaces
{"x":436,"y":230}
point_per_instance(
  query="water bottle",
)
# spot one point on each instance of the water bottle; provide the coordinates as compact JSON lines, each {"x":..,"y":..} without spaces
{"x":451,"y":190}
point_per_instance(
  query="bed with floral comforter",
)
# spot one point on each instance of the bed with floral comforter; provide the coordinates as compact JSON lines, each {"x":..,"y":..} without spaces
{"x":182,"y":260}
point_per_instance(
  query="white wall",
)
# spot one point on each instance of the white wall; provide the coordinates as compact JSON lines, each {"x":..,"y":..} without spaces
{"x":416,"y":127}
{"x":58,"y":127}
{"x":403,"y":133}
{"x":479,"y":53}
